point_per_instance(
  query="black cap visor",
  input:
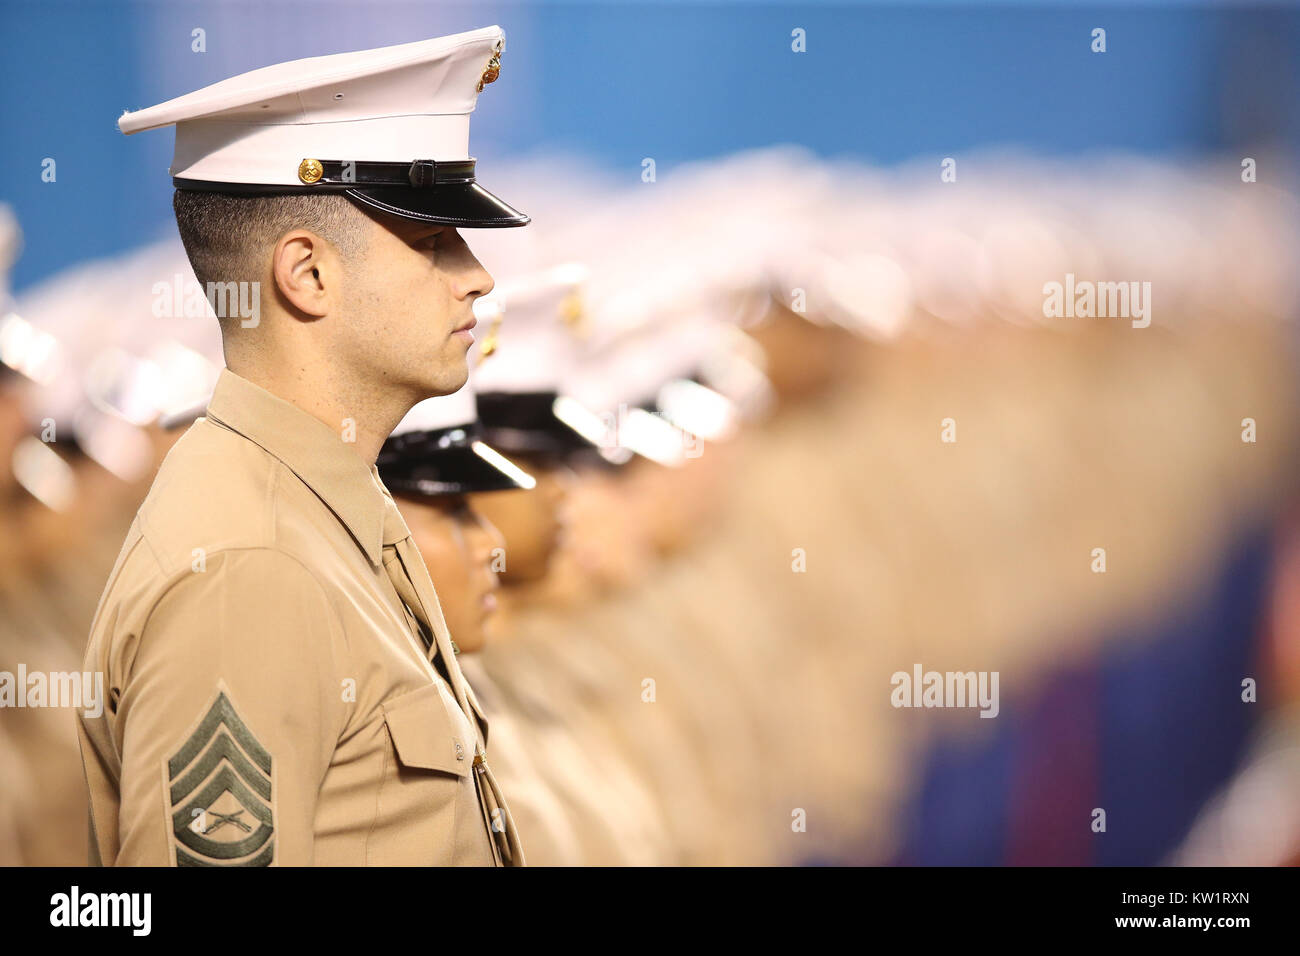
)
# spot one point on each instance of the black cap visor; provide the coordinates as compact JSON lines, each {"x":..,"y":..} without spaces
{"x":525,"y":423}
{"x":466,"y":205}
{"x":426,"y":190}
{"x":425,"y":464}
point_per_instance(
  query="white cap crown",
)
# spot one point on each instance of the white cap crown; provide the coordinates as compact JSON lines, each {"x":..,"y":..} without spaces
{"x":392,"y":104}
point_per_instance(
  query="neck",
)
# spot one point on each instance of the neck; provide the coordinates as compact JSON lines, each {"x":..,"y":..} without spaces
{"x":363,"y":417}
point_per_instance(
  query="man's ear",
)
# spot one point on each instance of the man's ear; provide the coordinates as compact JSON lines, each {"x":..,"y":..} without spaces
{"x":305,"y":270}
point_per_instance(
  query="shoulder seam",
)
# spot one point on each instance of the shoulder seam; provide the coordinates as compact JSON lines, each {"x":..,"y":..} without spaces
{"x":145,"y":535}
{"x":178,"y":578}
{"x":336,"y":618}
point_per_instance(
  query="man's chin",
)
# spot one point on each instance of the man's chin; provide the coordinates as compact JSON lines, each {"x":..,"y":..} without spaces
{"x":450,"y":377}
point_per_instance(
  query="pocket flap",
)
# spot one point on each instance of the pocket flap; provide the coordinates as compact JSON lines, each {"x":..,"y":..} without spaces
{"x":426,"y":732}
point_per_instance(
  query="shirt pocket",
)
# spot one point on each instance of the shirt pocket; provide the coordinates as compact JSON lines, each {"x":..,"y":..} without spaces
{"x":429,"y":732}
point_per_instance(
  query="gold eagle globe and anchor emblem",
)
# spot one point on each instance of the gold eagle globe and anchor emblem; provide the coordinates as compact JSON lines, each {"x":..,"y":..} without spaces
{"x":489,"y":346}
{"x":492,"y":71}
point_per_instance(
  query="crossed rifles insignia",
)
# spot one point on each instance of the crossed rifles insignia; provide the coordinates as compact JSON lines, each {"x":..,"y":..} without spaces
{"x":220,"y":792}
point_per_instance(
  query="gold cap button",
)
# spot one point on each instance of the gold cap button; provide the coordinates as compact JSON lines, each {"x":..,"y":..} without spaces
{"x":310,"y":170}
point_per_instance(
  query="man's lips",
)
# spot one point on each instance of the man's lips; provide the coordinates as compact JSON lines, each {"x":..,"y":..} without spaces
{"x":488,"y":599}
{"x":466,"y":326}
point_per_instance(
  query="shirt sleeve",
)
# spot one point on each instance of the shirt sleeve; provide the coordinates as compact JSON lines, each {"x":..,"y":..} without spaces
{"x":230,"y":716}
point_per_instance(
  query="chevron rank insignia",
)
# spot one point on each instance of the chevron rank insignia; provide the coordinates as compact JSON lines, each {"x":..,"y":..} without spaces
{"x":220,"y":793}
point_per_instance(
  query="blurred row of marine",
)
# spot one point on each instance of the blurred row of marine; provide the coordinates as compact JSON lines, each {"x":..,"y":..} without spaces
{"x":696,"y":505}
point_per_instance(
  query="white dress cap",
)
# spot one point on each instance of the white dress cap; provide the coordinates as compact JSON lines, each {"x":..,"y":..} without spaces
{"x":631,"y":368}
{"x":537,"y":341}
{"x":350,"y":122}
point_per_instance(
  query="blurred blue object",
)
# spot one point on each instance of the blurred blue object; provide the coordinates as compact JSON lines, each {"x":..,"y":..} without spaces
{"x":1173,"y":723}
{"x":1157,"y":722}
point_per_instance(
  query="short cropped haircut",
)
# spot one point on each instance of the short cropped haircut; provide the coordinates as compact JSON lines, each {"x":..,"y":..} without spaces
{"x":227,"y":236}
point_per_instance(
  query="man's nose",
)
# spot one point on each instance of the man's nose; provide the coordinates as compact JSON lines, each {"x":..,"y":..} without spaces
{"x":484,"y":283}
{"x":557,"y":486}
{"x":477,"y":280}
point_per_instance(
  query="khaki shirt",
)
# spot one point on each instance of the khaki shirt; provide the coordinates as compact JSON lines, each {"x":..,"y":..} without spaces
{"x":270,"y":698}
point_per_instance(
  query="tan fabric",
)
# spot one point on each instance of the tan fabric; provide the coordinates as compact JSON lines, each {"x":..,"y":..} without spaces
{"x":578,"y":752}
{"x":270,"y":698}
{"x":547,"y":822}
{"x":410,"y":578}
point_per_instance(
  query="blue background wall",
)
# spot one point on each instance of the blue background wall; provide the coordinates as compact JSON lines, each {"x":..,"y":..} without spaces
{"x":620,"y":81}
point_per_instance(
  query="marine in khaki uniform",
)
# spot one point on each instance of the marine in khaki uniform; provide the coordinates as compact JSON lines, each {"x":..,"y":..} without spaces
{"x":282,"y":684}
{"x":612,"y":809}
{"x":575,"y":661}
{"x":60,"y":508}
{"x":435,"y":459}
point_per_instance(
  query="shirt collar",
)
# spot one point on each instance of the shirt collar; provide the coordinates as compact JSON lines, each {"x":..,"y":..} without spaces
{"x":395,"y":528}
{"x":311,"y":450}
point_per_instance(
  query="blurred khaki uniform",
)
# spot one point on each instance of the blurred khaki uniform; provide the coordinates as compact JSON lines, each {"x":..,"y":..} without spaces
{"x":270,"y":698}
{"x":541,"y":816}
{"x":614,"y":819}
